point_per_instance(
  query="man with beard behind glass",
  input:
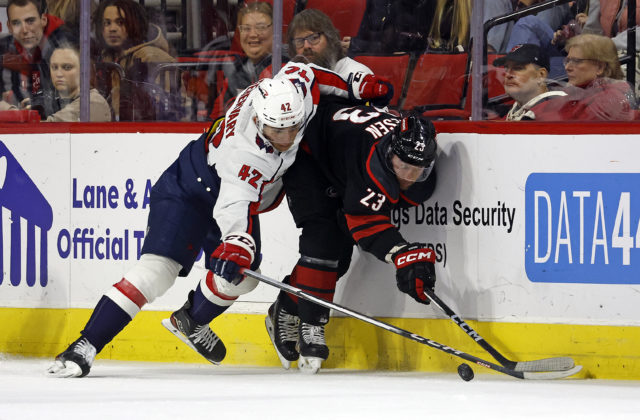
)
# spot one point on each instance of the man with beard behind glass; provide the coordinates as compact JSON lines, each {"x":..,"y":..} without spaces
{"x":312,"y":34}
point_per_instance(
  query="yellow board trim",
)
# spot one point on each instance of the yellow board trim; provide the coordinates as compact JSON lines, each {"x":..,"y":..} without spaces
{"x":606,"y":352}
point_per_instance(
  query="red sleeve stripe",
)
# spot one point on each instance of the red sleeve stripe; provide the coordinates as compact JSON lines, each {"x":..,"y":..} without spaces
{"x":357,"y":221}
{"x":131,"y":292}
{"x":329,"y":78}
{"x":370,"y":231}
{"x":373,"y":178}
{"x":365,"y":226}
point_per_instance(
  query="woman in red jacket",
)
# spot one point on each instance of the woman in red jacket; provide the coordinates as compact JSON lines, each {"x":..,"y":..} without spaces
{"x":595,"y":91}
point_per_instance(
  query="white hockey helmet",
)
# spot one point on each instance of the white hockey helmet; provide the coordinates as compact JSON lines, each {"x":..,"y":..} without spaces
{"x":278,"y":103}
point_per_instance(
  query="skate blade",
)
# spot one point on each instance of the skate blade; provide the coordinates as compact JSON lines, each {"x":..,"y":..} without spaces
{"x":309,"y":365}
{"x":173,"y":330}
{"x":270,"y":330}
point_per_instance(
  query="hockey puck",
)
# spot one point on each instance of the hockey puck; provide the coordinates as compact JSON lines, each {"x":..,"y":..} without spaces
{"x":465,"y":372}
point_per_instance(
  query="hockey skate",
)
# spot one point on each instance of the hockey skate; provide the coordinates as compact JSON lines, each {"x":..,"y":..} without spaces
{"x":312,"y":347}
{"x":75,"y":361}
{"x":283,"y":332}
{"x":199,"y":337}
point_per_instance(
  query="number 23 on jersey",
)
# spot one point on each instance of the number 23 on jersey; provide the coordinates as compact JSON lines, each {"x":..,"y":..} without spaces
{"x":373,"y":200}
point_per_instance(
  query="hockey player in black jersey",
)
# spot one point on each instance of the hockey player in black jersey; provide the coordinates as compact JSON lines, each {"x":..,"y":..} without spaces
{"x":355,"y":165}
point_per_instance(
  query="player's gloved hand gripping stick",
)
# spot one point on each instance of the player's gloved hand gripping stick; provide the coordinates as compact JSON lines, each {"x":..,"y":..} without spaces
{"x":236,"y":252}
{"x":415,"y":270}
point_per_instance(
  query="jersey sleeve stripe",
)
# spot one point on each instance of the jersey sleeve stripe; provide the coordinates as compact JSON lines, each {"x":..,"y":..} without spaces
{"x":365,"y":226}
{"x":355,"y":221}
{"x":370,"y":231}
{"x":329,"y":78}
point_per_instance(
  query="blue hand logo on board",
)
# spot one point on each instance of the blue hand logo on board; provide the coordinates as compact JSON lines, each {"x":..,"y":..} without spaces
{"x":20,"y":197}
{"x":583,"y":228}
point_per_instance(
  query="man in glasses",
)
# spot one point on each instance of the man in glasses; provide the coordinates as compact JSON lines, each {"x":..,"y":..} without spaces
{"x":312,"y":35}
{"x":526,"y":68}
{"x":357,"y":166}
{"x":209,"y":199}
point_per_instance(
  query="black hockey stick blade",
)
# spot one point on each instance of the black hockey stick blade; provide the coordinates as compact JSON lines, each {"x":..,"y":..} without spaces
{"x":541,"y":365}
{"x":409,"y":335}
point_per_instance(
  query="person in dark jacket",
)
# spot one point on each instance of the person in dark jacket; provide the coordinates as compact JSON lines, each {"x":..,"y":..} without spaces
{"x":35,"y":34}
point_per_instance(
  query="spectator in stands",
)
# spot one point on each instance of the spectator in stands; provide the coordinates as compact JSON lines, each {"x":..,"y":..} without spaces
{"x":126,"y":38}
{"x":25,"y":54}
{"x":69,"y":12}
{"x":255,"y":25}
{"x":65,"y":76}
{"x":502,"y":38}
{"x":312,"y":35}
{"x":595,"y":90}
{"x":390,"y":26}
{"x":450,"y":28}
{"x":609,"y":18}
{"x":525,"y":80}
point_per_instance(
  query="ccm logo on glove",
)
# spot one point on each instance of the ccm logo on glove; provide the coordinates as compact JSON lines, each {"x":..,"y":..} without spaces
{"x":415,"y":270}
{"x":236,"y":252}
{"x":413,"y":256}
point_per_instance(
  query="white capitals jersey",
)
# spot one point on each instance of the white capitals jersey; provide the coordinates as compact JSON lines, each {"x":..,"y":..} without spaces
{"x":250,"y":170}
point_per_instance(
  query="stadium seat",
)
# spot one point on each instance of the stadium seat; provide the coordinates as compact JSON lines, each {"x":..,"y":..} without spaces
{"x":393,"y":67}
{"x":195,"y":85}
{"x":19,"y":116}
{"x":346,"y":15}
{"x":438,"y":80}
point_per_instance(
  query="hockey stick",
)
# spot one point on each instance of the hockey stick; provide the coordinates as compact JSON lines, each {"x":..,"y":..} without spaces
{"x":411,"y":336}
{"x":550,"y":364}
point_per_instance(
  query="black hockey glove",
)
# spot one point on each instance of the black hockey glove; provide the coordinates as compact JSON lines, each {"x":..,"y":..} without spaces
{"x":415,"y":270}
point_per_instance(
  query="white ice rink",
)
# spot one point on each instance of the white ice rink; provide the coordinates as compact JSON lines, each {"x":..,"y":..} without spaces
{"x":124,"y":390}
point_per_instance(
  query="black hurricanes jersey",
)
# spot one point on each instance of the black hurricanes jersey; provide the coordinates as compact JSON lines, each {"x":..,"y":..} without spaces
{"x":351,"y":143}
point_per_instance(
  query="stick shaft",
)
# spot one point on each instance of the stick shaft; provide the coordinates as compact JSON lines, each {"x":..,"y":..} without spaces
{"x":412,"y":336}
{"x":551,"y":364}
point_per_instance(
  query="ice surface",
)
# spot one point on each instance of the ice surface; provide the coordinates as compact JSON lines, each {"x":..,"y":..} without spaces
{"x":128,"y":390}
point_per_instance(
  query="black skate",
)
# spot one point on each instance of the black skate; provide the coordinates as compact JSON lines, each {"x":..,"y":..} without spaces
{"x":283,"y":331}
{"x":75,"y":361}
{"x":312,"y":347}
{"x":198,"y":337}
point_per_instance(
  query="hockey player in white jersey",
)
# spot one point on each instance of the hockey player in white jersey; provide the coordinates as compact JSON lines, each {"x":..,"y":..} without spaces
{"x":209,"y":199}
